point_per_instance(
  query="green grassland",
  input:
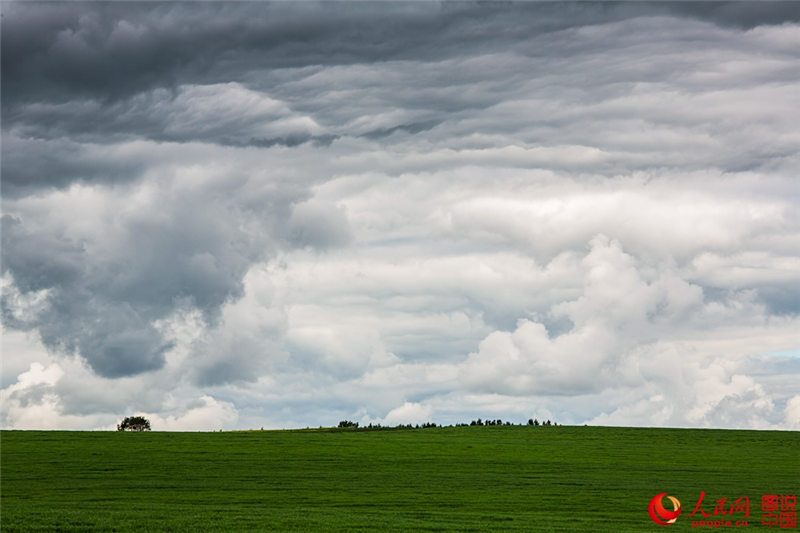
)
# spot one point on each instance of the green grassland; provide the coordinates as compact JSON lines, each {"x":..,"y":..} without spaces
{"x":497,"y":478}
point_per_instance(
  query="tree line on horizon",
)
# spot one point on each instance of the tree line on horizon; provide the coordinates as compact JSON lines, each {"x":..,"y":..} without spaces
{"x":140,"y":423}
{"x":533,"y":422}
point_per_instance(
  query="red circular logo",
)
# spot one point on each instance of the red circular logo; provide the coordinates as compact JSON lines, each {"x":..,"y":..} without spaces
{"x":659,"y":513}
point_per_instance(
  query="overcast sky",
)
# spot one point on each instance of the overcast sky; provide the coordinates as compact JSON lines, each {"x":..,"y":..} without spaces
{"x":248,"y":215}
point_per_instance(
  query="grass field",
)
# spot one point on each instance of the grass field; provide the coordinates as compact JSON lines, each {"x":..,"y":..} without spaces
{"x":500,"y":478}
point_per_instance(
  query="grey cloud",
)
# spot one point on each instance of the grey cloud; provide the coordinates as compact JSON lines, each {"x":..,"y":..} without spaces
{"x":30,"y":165}
{"x":31,"y":395}
{"x":39,"y":260}
{"x":781,"y":299}
{"x":244,"y":346}
{"x":244,"y":363}
{"x":740,"y":14}
{"x":109,"y":50}
{"x":113,"y":263}
{"x":226,"y":114}
{"x":107,"y":292}
{"x":113,"y":338}
{"x":290,"y":141}
{"x":413,"y":128}
{"x":318,"y":226}
{"x":121,"y":71}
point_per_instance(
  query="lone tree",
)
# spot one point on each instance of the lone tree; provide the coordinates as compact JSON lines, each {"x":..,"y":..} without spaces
{"x":134,"y":423}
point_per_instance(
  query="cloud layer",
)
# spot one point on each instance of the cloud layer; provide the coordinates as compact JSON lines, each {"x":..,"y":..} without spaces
{"x":279,"y":215}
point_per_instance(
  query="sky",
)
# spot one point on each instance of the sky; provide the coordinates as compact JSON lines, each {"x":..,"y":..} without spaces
{"x":280,"y":215}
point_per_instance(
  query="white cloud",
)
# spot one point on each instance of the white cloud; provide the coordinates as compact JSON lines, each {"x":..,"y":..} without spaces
{"x":202,"y":415}
{"x":617,"y":311}
{"x":35,"y":402}
{"x":792,"y":413}
{"x":32,"y":387}
{"x":408,"y":413}
{"x":636,"y":335}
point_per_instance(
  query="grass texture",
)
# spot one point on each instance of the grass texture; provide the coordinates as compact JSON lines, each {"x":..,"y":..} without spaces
{"x":496,"y":478}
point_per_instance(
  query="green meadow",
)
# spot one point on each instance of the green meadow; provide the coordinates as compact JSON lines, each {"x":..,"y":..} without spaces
{"x":495,"y":478}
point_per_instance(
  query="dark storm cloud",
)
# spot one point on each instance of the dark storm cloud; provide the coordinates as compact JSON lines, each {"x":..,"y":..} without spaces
{"x":30,"y":164}
{"x":108,"y":289}
{"x":744,"y":15}
{"x":42,"y":260}
{"x":110,"y":50}
{"x":228,"y":114}
{"x":101,"y":72}
{"x":105,"y":51}
{"x":110,"y":333}
{"x":413,"y":128}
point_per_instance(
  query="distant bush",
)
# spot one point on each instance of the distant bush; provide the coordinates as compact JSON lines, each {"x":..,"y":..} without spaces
{"x":348,"y":424}
{"x":134,"y":423}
